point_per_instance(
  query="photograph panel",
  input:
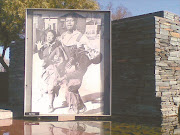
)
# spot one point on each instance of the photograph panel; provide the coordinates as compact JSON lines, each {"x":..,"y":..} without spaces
{"x":68,"y":62}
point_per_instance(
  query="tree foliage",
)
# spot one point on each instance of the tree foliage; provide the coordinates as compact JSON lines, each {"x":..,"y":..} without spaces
{"x":12,"y":15}
{"x":118,"y":13}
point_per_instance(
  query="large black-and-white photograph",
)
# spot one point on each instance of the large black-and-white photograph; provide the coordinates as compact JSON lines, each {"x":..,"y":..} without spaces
{"x":68,"y":62}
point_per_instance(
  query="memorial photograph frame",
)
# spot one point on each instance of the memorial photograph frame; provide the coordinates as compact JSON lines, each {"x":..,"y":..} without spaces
{"x":67,"y":63}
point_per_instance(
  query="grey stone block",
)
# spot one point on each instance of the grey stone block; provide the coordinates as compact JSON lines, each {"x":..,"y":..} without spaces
{"x":157,"y":31}
{"x":157,"y":25}
{"x":176,"y":100}
{"x":161,"y":64}
{"x":175,"y":27}
{"x":175,"y":54}
{"x":158,"y":94}
{"x":174,"y":43}
{"x":163,"y":26}
{"x":164,"y":32}
{"x":166,"y":94}
{"x":162,"y":83}
{"x":165,"y":99}
{"x":173,"y":82}
{"x":175,"y":87}
{"x":158,"y":77}
{"x":161,"y":36}
{"x":176,"y":131}
{"x":174,"y":58}
{"x":174,"y":39}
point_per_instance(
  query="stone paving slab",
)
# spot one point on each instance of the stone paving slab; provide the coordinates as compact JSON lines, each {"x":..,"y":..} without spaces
{"x":5,"y":114}
{"x":6,"y":122}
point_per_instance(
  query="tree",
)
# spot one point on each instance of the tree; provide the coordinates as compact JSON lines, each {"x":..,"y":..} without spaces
{"x":1,"y":67}
{"x":119,"y":13}
{"x":12,"y":16}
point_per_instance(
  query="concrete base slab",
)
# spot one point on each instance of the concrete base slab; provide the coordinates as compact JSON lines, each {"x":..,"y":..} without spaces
{"x":66,"y":118}
{"x":6,"y":122}
{"x":5,"y":114}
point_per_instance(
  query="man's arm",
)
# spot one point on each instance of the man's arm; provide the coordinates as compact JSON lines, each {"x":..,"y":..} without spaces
{"x":82,"y":64}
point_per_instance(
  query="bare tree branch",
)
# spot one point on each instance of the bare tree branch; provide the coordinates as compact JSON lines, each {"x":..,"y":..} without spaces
{"x":118,"y":13}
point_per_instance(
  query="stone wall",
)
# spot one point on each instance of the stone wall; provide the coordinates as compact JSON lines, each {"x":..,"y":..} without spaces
{"x":139,"y":64}
{"x":133,"y":65}
{"x":170,"y":126}
{"x":16,"y":79}
{"x":167,"y":67}
{"x":3,"y":87}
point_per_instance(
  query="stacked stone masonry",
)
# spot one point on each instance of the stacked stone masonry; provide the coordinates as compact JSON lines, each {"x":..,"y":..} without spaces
{"x":145,"y":65}
{"x":170,"y":126}
{"x":167,"y":68}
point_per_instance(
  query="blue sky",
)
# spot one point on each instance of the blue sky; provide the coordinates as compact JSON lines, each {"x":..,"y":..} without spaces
{"x":6,"y":54}
{"x":139,"y":7}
